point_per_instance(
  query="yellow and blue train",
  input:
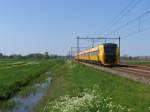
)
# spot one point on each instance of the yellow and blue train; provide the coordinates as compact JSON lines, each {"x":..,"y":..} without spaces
{"x":103,"y":54}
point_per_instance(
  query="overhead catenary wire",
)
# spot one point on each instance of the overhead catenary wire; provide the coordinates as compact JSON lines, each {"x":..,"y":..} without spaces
{"x":128,"y":10}
{"x":132,"y":4}
{"x":137,"y":32}
{"x":129,"y":22}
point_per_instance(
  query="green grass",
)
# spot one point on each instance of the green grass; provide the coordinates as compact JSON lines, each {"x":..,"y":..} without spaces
{"x":138,"y":62}
{"x":70,"y":78}
{"x":15,"y":74}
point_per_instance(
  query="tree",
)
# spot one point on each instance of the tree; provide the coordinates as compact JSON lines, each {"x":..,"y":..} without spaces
{"x":46,"y":55}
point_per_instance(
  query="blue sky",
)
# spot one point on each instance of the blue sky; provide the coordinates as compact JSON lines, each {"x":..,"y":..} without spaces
{"x":28,"y":26}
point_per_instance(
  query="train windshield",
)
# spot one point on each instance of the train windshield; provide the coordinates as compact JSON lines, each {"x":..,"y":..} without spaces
{"x":110,"y":49}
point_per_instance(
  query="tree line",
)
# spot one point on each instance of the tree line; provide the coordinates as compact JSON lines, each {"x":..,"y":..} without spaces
{"x":31,"y":56}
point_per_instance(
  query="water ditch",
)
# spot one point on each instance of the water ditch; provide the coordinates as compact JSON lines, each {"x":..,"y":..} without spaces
{"x":29,"y":101}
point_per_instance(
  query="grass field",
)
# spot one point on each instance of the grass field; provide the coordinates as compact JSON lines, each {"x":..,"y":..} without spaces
{"x":137,"y":62}
{"x":71,"y":79}
{"x":15,"y":74}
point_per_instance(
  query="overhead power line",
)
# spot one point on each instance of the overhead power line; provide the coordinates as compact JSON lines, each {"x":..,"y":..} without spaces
{"x":137,"y":32}
{"x":132,"y":4}
{"x":128,"y":11}
{"x":129,"y":22}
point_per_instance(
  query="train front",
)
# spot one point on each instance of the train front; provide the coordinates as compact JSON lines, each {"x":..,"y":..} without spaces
{"x":111,"y":53}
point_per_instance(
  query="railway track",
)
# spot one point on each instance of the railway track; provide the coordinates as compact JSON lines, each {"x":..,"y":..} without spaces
{"x":134,"y":72}
{"x":143,"y":67}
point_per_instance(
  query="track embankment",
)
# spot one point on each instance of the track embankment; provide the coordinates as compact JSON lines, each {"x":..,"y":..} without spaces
{"x":136,"y":73}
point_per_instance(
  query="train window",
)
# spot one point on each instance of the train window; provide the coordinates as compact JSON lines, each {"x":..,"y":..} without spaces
{"x":91,"y":54}
{"x":110,"y":50}
{"x":98,"y":51}
{"x":94,"y":53}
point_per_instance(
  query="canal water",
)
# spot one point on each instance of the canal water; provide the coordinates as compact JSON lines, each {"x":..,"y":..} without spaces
{"x":29,"y":102}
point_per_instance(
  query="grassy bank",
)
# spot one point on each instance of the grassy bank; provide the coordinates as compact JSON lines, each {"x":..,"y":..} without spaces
{"x":15,"y":74}
{"x":71,"y":79}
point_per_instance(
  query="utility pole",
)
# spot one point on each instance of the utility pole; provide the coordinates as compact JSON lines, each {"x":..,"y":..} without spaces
{"x":92,"y":40}
{"x":68,"y":54}
{"x":119,"y":49}
{"x":78,"y":49}
{"x":139,"y":24}
{"x":71,"y":52}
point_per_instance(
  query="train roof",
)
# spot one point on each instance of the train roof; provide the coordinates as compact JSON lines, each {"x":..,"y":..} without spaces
{"x":109,"y":44}
{"x":96,"y":48}
{"x":89,"y":50}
